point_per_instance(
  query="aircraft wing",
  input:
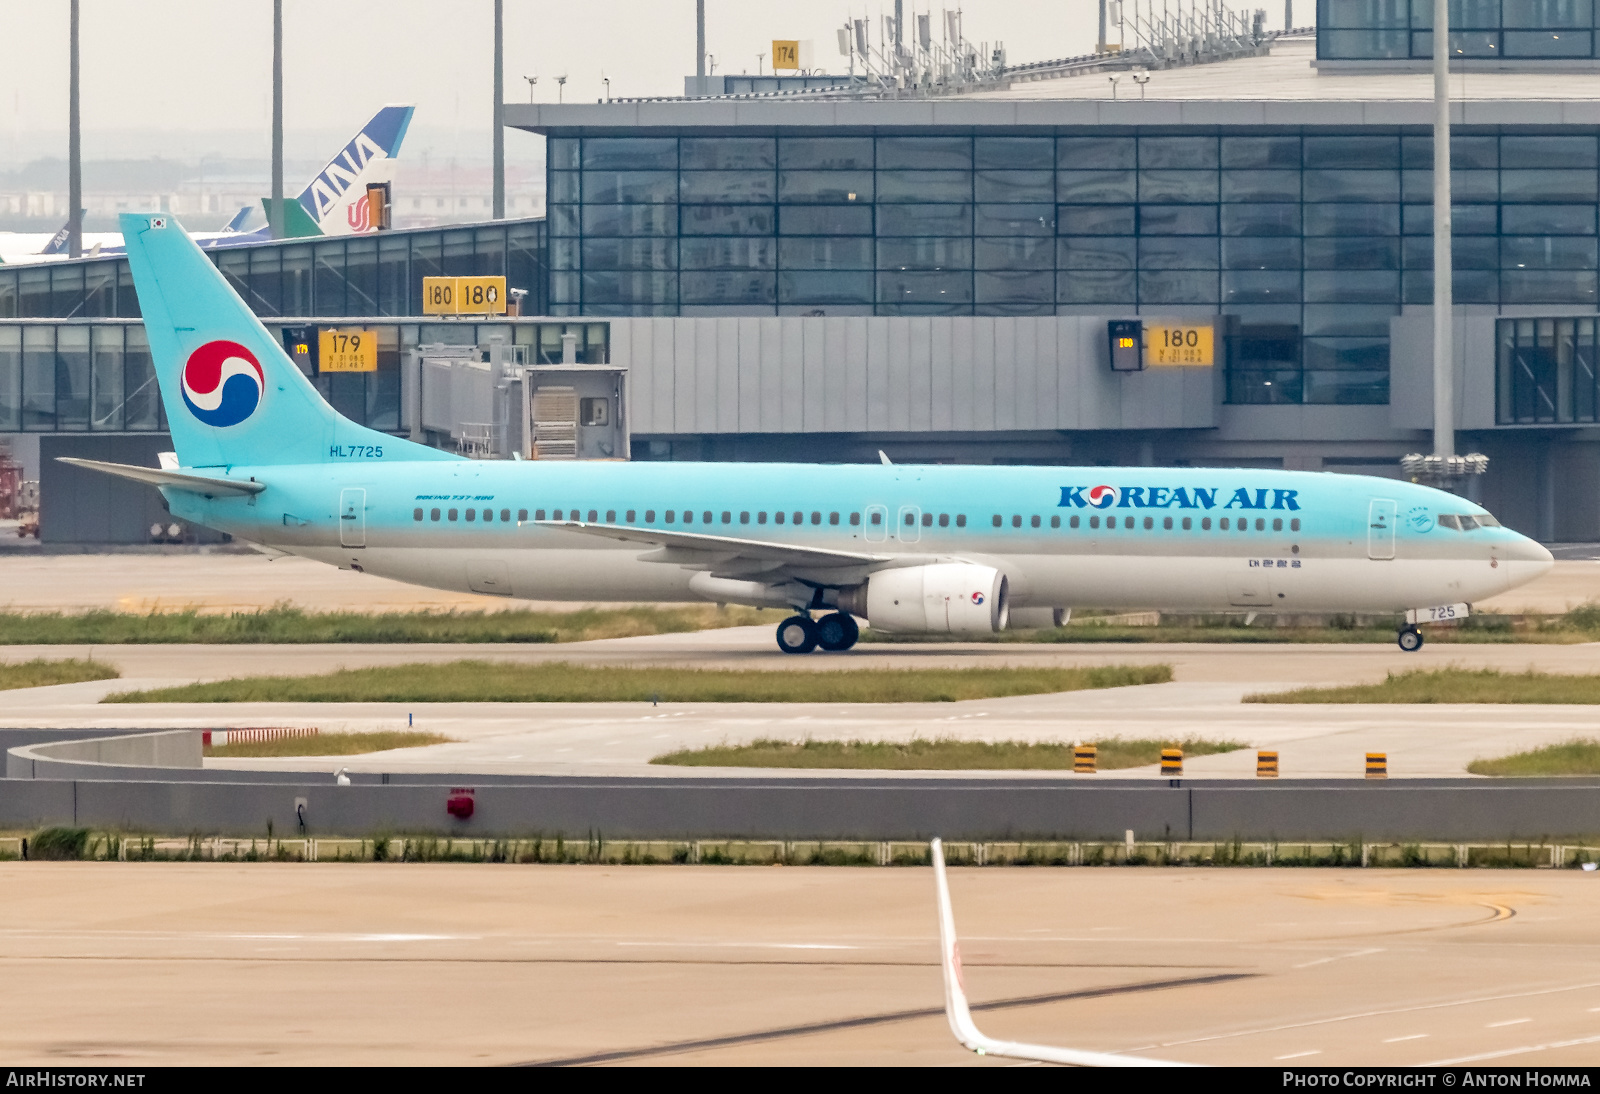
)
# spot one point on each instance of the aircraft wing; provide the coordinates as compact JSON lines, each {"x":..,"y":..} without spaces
{"x":211,"y":486}
{"x":960,"y":1016}
{"x":697,"y":549}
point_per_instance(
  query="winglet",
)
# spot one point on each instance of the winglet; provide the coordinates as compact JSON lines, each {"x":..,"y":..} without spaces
{"x":960,"y":1015}
{"x":884,"y":459}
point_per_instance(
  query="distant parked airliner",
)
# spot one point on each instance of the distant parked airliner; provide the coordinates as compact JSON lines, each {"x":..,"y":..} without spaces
{"x":912,"y":549}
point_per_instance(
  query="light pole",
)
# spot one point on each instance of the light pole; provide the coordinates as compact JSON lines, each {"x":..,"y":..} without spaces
{"x":561,"y":87}
{"x":276,"y":226}
{"x":499,"y":211}
{"x":531,"y":81}
{"x":1444,"y":415}
{"x":74,"y":145}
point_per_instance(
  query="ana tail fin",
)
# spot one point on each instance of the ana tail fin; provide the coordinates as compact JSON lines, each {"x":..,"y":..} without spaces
{"x":233,"y":396}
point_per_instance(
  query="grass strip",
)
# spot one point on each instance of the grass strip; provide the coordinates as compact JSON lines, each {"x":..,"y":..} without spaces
{"x":559,"y":682}
{"x":330,"y":744}
{"x":1452,"y":685}
{"x":40,"y":673}
{"x":941,"y":754}
{"x":1578,"y":756}
{"x":287,"y":624}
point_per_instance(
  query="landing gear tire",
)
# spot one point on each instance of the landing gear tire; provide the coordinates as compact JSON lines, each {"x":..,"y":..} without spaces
{"x":837,"y":632}
{"x":797,"y":634}
{"x":1409,"y":639}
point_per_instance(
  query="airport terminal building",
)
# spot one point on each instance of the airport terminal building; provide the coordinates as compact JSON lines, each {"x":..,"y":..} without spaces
{"x":821,"y":275}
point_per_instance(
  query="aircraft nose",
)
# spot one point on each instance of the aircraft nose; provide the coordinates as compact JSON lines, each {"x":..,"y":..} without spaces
{"x":1533,"y":556}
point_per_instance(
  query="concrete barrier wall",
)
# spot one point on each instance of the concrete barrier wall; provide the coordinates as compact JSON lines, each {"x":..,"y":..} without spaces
{"x":163,"y":750}
{"x":710,"y":808}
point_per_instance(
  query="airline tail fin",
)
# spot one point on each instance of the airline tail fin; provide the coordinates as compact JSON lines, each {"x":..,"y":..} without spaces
{"x":335,"y":202}
{"x":240,"y":219}
{"x":232,"y":395}
{"x":58,"y":242}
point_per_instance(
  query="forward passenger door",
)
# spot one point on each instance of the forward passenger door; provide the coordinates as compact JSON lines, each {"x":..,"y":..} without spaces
{"x":1380,"y":528}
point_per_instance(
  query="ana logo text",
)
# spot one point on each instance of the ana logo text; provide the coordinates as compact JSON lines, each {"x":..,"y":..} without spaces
{"x":1174,"y":497}
{"x":222,"y":383}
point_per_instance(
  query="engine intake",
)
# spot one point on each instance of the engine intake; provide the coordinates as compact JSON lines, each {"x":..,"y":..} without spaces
{"x":940,"y":598}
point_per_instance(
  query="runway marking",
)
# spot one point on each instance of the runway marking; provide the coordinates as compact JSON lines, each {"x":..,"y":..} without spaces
{"x":1297,"y":1055}
{"x":1508,"y":1022}
{"x":673,"y":1048}
{"x":1512,"y":1052}
{"x":1335,"y":957}
{"x":1407,"y":1037}
{"x":1371,"y":1014}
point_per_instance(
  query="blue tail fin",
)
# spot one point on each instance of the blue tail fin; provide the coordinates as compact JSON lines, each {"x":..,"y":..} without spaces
{"x":335,"y":202}
{"x":58,"y":242}
{"x":233,"y":396}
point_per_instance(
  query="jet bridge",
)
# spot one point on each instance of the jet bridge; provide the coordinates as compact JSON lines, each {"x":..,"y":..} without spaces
{"x":489,"y":402}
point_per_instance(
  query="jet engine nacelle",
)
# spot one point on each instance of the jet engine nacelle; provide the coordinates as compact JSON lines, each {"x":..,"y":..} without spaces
{"x":941,"y":598}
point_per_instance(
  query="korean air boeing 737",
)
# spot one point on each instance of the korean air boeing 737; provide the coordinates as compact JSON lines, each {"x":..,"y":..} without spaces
{"x":915,"y":550}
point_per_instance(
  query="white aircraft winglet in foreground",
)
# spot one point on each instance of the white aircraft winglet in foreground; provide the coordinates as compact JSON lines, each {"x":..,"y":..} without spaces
{"x":956,"y":1009}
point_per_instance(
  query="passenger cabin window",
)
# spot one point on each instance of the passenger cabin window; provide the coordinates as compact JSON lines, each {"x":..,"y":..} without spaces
{"x":611,"y":516}
{"x":1033,"y":521}
{"x":998,"y":520}
{"x":1277,"y":524}
{"x":1149,"y":523}
{"x":705,"y":518}
{"x":1166,"y":523}
{"x":944,"y":520}
{"x":777,"y":518}
{"x":628,"y":517}
{"x":1294,"y":525}
{"x":416,"y":514}
{"x":594,"y":517}
{"x":1073,"y":522}
{"x":744,"y":518}
{"x":1127,"y":522}
{"x":670,"y":515}
{"x":649,"y":516}
{"x":522,"y":515}
{"x":433,"y":514}
{"x":452,"y":514}
{"x":877,"y":518}
{"x":1094,"y":522}
{"x":961,"y":520}
{"x":911,"y":519}
{"x":1205,"y":524}
{"x":727,"y":517}
{"x":1188,"y":523}
{"x":505,"y":516}
{"x":927,"y":520}
{"x":1055,"y":521}
{"x":1016,"y":521}
{"x":538,"y":514}
{"x":761,"y":516}
{"x":1223,"y":524}
{"x":472,"y":514}
{"x":855,"y":519}
{"x":833,"y":518}
{"x":816,"y":518}
{"x":555,"y":514}
{"x":1261,"y":524}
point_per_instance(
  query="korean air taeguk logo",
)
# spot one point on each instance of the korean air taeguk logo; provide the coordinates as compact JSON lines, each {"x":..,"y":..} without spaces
{"x":1103,"y":497}
{"x":222,"y":383}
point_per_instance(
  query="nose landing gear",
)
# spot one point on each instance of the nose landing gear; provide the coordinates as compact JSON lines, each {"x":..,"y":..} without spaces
{"x":1409,"y":638}
{"x":835,"y":633}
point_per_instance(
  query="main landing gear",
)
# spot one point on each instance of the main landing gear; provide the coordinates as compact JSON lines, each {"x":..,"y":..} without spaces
{"x":1409,"y":638}
{"x":835,"y":633}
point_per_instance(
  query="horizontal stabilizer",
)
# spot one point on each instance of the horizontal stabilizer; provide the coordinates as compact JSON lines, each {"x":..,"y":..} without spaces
{"x":208,"y":485}
{"x":721,"y":547}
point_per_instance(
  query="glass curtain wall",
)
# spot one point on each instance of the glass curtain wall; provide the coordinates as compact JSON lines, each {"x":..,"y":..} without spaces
{"x":98,"y":377}
{"x":1531,"y":30}
{"x":1546,"y":372}
{"x":377,"y":275}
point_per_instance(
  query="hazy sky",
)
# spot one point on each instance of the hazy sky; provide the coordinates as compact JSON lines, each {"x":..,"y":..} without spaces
{"x":180,"y":78}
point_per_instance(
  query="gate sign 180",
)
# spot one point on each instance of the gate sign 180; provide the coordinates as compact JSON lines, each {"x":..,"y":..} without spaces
{"x":1179,"y":344}
{"x":463,"y":296}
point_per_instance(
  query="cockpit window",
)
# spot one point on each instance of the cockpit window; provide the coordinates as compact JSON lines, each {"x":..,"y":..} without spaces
{"x":1467,"y":522}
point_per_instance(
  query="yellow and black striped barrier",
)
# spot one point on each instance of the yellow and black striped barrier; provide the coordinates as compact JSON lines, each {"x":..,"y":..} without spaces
{"x":1172,"y":761}
{"x":1083,"y":759}
{"x":1377,"y":765}
{"x":1266,"y":765}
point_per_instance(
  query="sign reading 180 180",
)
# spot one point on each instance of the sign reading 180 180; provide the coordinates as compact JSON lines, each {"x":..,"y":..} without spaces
{"x":463,"y":296}
{"x":1178,"y":344}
